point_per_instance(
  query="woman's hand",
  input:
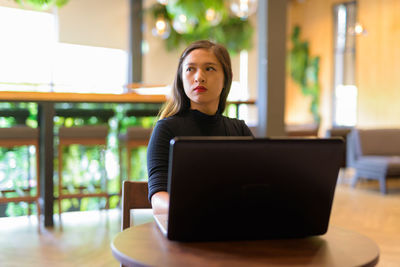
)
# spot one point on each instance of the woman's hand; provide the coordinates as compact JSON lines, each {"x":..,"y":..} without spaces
{"x":160,"y":202}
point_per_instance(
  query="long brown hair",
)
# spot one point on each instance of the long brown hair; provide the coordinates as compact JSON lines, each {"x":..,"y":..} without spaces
{"x":179,"y":102}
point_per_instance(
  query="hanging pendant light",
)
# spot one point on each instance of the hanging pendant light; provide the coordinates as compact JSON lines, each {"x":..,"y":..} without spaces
{"x":182,"y":24}
{"x":243,"y":8}
{"x":213,"y":17}
{"x":162,"y":28}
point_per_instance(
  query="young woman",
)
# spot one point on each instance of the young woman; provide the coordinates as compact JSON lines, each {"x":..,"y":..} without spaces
{"x":201,"y":87}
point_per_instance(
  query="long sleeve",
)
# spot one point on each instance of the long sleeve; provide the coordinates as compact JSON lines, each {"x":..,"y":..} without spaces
{"x":157,"y":158}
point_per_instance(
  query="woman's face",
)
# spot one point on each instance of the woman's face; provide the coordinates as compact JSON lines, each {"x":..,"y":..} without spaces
{"x":203,"y":80}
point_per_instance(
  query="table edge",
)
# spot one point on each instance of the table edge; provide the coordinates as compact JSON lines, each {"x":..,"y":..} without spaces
{"x":129,"y":261}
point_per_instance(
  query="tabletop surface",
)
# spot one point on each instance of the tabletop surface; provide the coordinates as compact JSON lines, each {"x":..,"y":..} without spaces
{"x":79,"y":97}
{"x":25,"y":96}
{"x":145,"y":245}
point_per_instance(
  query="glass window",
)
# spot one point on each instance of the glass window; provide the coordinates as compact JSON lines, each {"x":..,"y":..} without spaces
{"x":33,"y":60}
{"x":26,"y":47}
{"x":345,"y":90}
{"x":79,"y":68}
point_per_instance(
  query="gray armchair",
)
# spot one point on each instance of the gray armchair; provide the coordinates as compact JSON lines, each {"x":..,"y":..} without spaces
{"x":375,"y":154}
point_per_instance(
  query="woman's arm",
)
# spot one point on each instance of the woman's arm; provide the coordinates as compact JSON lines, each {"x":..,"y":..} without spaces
{"x":157,"y":164}
{"x":160,"y":202}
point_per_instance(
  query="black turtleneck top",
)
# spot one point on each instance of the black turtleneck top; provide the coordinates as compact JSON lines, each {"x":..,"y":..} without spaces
{"x":189,"y":123}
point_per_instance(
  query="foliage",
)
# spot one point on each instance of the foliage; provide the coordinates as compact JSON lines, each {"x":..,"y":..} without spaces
{"x":304,"y":70}
{"x":233,"y":32}
{"x":43,"y":4}
{"x":82,"y":165}
{"x":16,"y":165}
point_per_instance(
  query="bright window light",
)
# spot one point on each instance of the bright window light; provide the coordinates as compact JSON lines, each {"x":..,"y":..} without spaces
{"x":33,"y":60}
{"x":89,"y":69}
{"x":26,"y":47}
{"x":346,"y":105}
{"x":239,"y":88}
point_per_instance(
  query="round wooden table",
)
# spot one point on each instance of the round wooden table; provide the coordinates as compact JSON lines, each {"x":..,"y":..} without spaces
{"x":144,"y":245}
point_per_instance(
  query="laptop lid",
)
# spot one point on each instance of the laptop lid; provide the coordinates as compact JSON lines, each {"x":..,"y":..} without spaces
{"x":230,"y":188}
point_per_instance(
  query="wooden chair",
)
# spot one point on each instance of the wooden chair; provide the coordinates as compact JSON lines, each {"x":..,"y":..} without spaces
{"x":134,"y":196}
{"x":134,"y":137}
{"x":16,"y":136}
{"x":91,"y":135}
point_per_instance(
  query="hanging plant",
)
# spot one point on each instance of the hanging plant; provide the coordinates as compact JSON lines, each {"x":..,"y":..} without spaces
{"x":185,"y":21}
{"x":42,"y":4}
{"x":304,"y":70}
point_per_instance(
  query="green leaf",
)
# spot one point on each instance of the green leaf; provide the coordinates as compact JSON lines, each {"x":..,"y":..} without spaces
{"x":42,"y":4}
{"x":304,"y":71}
{"x":235,"y":33}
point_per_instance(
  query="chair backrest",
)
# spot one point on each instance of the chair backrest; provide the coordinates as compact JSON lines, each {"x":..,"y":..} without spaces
{"x":134,"y":196}
{"x":302,"y":129}
{"x":149,"y":111}
{"x":20,"y":115}
{"x":103,"y":115}
{"x":353,"y":147}
{"x":383,"y":142}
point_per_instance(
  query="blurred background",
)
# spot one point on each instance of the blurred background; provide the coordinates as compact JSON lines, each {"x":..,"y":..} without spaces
{"x":341,"y":63}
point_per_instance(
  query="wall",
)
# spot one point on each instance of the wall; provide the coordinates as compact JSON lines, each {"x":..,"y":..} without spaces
{"x":378,"y":64}
{"x":101,"y":23}
{"x":377,"y":60}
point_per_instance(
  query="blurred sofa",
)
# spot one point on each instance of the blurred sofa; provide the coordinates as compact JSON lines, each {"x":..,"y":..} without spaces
{"x":302,"y":130}
{"x":374,"y":154}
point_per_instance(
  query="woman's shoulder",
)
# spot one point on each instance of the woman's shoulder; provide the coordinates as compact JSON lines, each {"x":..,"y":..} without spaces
{"x":170,"y":120}
{"x":233,"y":121}
{"x":170,"y":123}
{"x":236,"y":127}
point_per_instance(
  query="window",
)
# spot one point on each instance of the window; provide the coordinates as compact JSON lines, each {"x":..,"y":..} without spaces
{"x":33,"y":60}
{"x":27,"y":41}
{"x":345,"y":90}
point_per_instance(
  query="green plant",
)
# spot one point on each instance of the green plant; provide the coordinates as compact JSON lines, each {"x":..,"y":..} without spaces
{"x":304,"y":71}
{"x":42,"y":4}
{"x":233,"y":32}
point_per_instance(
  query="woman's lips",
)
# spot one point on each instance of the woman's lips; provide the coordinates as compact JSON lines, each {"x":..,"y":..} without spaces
{"x":200,"y":89}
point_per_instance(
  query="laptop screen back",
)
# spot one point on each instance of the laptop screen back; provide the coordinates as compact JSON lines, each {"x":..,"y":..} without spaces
{"x":236,"y":188}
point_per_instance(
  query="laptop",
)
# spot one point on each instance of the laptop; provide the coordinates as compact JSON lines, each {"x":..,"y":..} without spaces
{"x":240,"y":188}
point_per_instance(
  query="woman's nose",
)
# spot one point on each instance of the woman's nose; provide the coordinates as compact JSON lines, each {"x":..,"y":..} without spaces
{"x":200,"y":77}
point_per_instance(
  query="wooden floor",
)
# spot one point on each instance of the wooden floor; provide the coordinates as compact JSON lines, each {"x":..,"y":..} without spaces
{"x":84,"y":239}
{"x":366,"y":211}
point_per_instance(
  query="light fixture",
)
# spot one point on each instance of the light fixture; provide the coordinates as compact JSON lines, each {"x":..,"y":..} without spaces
{"x":182,"y":24}
{"x":213,"y":17}
{"x":162,"y":28}
{"x":243,"y":8}
{"x":358,"y":29}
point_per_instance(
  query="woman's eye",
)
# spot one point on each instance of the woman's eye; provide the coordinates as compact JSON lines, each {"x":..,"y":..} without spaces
{"x":210,"y":68}
{"x":189,"y":69}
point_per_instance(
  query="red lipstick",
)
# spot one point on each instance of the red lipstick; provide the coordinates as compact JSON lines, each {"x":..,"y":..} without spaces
{"x":200,"y":89}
